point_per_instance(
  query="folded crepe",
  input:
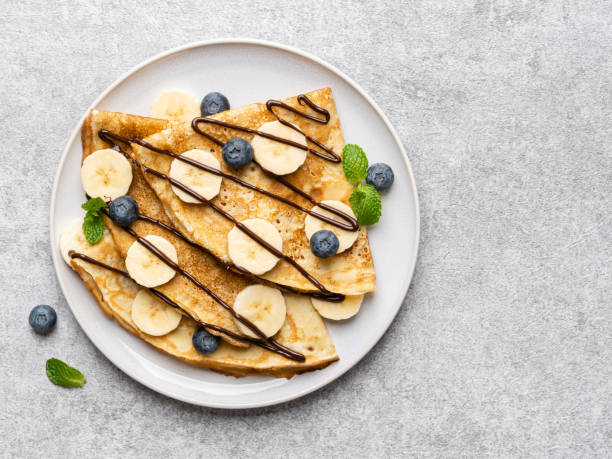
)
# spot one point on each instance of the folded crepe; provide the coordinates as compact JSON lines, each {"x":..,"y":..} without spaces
{"x":349,"y":272}
{"x":115,"y":294}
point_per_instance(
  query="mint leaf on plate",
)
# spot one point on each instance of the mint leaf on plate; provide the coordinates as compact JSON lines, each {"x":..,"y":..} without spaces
{"x":354,"y":163}
{"x":93,"y":224}
{"x":62,"y":374}
{"x":366,"y":204}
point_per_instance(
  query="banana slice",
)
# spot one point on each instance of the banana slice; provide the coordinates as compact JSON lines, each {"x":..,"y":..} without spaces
{"x":313,"y":224}
{"x":72,"y":238}
{"x":175,"y":106}
{"x":246,"y":253}
{"x":106,"y":174}
{"x":338,"y":311}
{"x":277,"y":157}
{"x":145,"y":267}
{"x":203,"y":183}
{"x":263,"y":306}
{"x":152,"y":316}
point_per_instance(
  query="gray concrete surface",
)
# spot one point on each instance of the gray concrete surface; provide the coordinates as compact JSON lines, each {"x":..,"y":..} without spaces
{"x":503,"y":346}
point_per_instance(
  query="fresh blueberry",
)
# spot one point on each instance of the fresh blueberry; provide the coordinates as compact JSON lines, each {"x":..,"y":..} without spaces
{"x":324,"y":244}
{"x":214,"y":102}
{"x":123,"y":210}
{"x":380,"y":176}
{"x":237,"y":152}
{"x":42,"y":319}
{"x":204,"y":342}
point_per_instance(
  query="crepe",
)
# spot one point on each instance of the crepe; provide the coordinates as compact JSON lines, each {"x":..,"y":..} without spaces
{"x":115,"y":294}
{"x":350,"y":272}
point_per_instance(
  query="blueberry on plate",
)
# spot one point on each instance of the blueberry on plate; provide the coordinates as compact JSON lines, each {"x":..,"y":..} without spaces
{"x":237,"y":152}
{"x":324,"y":244}
{"x":214,"y":102}
{"x":380,"y":176}
{"x":123,"y":210}
{"x":42,"y":319}
{"x":204,"y":342}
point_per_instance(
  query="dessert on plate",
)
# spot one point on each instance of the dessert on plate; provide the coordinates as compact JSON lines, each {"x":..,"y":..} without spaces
{"x":223,"y":236}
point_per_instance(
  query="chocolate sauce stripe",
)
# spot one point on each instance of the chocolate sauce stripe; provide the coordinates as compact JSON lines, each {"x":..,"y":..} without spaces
{"x":277,"y":348}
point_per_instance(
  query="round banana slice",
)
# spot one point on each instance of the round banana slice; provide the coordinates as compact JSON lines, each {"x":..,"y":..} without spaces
{"x":106,"y":174}
{"x":313,"y":224}
{"x":277,"y":157}
{"x":152,"y":316}
{"x":146,"y":268}
{"x":72,"y":238}
{"x":246,"y":253}
{"x":175,"y":106}
{"x":263,"y":306}
{"x":338,"y":311}
{"x":202,"y":182}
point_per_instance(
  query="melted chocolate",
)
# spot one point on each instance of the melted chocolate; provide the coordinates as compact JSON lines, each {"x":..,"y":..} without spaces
{"x":274,"y":346}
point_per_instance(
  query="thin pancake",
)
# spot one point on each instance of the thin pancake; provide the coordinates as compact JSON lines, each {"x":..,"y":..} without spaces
{"x":115,"y":294}
{"x":351,"y":272}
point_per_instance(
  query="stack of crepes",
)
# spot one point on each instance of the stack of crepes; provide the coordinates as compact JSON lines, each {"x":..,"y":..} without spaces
{"x":217,"y":273}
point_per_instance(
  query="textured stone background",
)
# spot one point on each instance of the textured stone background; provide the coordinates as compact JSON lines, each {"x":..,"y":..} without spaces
{"x":503,"y":346}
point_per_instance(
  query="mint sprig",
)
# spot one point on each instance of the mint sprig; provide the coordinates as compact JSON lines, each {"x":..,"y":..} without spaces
{"x":366,"y":204}
{"x":354,"y":163}
{"x":62,"y":374}
{"x":93,"y":224}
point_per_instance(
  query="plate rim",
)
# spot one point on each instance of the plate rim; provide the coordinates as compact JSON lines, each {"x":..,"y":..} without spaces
{"x":239,"y":41}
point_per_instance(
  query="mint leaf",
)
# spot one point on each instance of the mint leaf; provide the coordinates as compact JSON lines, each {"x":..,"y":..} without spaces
{"x":93,"y":224}
{"x":366,"y":204}
{"x":61,"y":374}
{"x":354,"y":163}
{"x":94,"y":204}
{"x":93,"y":227}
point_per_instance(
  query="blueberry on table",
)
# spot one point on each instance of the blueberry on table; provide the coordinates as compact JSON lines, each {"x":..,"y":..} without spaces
{"x":324,"y":244}
{"x":123,"y":210}
{"x":204,"y":342}
{"x":380,"y":176}
{"x":214,"y":102}
{"x":42,"y":319}
{"x":237,"y":152}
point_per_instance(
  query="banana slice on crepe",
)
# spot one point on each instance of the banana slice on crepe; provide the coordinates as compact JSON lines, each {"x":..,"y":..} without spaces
{"x":263,"y":306}
{"x":247,"y":253}
{"x":277,"y":157}
{"x":338,"y":311}
{"x":204,"y":183}
{"x":175,"y":106}
{"x":313,"y":224}
{"x":106,"y":173}
{"x":146,"y":268}
{"x":152,"y":316}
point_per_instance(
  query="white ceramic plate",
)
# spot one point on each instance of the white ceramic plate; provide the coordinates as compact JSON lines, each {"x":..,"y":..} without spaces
{"x":249,"y":71}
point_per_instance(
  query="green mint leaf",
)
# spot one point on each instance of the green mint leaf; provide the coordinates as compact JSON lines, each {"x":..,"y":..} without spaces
{"x":94,"y":204}
{"x":366,"y":204}
{"x":62,"y":374}
{"x":354,"y":163}
{"x":93,"y":227}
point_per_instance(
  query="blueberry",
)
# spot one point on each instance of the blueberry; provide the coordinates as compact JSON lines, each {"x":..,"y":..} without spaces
{"x":324,"y":244}
{"x":237,"y":152}
{"x":42,"y":319}
{"x":204,"y":342}
{"x":214,"y":102}
{"x":380,"y":176}
{"x":123,"y":210}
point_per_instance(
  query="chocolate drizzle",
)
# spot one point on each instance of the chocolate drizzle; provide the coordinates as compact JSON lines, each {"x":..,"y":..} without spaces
{"x":266,"y":343}
{"x":112,"y":139}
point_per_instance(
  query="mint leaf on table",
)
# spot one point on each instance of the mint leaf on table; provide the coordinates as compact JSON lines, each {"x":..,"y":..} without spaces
{"x":93,"y":224}
{"x":354,"y":163}
{"x":62,"y":374}
{"x":366,"y":204}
